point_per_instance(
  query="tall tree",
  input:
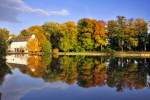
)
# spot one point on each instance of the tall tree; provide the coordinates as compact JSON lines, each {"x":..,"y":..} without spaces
{"x":130,"y":35}
{"x":4,"y":35}
{"x":120,"y":31}
{"x":52,"y":31}
{"x":72,"y":35}
{"x":64,"y":42}
{"x":112,"y":33}
{"x":141,"y":28}
{"x":62,"y":36}
{"x":100,"y":35}
{"x":86,"y":29}
{"x":116,"y":29}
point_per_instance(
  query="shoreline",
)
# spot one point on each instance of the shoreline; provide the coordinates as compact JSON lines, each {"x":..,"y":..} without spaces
{"x":113,"y":54}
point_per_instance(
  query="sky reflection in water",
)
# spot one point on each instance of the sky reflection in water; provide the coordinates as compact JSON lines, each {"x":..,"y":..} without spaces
{"x":74,"y":78}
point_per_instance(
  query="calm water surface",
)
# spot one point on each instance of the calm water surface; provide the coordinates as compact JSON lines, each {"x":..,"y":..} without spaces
{"x":24,"y":77}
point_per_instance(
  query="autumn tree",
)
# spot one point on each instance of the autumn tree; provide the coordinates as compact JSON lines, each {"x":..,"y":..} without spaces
{"x":64,"y":42}
{"x":33,"y":45}
{"x":62,"y":36}
{"x":111,"y":29}
{"x":100,"y":35}
{"x":130,"y":34}
{"x":126,"y":34}
{"x":4,"y":35}
{"x":86,"y":30}
{"x":24,"y":33}
{"x":42,"y":40}
{"x":92,"y":35}
{"x":68,"y":37}
{"x":72,"y":35}
{"x":52,"y":30}
{"x":120,"y":35}
{"x":141,"y":28}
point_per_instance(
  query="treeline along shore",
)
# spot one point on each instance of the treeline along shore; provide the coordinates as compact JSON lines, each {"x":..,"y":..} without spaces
{"x":119,"y":37}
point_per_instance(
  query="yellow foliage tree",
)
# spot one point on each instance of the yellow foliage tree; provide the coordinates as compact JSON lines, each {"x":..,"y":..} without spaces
{"x":33,"y":45}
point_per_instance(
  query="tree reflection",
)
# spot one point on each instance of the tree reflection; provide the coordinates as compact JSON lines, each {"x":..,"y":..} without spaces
{"x":131,"y":75}
{"x":4,"y":70}
{"x":62,"y":69}
{"x":119,"y":73}
{"x":92,"y":72}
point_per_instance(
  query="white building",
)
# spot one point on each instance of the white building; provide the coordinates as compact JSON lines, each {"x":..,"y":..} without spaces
{"x":148,"y":27}
{"x":20,"y":44}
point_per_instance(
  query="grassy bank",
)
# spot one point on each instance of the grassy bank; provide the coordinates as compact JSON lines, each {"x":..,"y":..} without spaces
{"x":115,"y":54}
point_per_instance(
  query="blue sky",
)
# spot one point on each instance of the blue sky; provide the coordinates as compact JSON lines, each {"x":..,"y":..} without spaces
{"x":19,"y":14}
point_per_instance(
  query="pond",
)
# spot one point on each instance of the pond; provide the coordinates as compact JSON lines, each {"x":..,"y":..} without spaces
{"x":24,"y":77}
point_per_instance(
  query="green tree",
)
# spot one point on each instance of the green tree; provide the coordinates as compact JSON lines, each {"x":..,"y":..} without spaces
{"x":64,"y":42}
{"x":112,"y":34}
{"x":46,"y":47}
{"x":52,"y":31}
{"x":127,"y":34}
{"x":24,"y":33}
{"x":4,"y":35}
{"x":141,"y":28}
{"x":86,"y":30}
{"x":72,"y":35}
{"x":120,"y":31}
{"x":62,"y":36}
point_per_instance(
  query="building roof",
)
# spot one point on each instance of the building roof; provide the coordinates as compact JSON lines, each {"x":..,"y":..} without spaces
{"x":21,"y":38}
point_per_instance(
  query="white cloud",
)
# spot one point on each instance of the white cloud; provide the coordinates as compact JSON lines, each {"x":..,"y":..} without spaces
{"x":10,"y":9}
{"x":62,"y":12}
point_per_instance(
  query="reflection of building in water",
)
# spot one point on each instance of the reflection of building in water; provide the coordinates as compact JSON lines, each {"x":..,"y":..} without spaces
{"x":17,"y":59}
{"x":119,"y":73}
{"x":32,"y":65}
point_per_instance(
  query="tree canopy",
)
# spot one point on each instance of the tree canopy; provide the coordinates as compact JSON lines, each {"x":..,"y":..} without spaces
{"x":88,"y":34}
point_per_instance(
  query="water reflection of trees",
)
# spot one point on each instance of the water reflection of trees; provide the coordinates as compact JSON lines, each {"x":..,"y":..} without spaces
{"x":88,"y":72}
{"x":62,"y":69}
{"x":127,"y":73}
{"x":92,"y":72}
{"x":36,"y":66}
{"x":4,"y":70}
